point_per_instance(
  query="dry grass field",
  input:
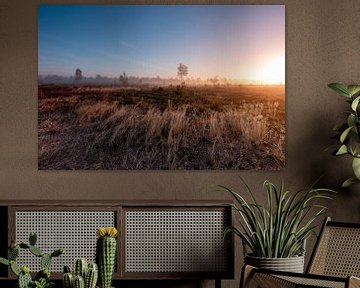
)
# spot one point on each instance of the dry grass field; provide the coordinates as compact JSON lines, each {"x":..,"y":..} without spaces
{"x":207,"y":127}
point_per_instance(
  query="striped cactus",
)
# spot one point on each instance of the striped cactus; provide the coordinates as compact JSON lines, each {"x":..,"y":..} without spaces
{"x":79,"y":282}
{"x":81,"y":266}
{"x":68,"y":280}
{"x":106,"y":254}
{"x":84,"y":276}
{"x":91,"y":276}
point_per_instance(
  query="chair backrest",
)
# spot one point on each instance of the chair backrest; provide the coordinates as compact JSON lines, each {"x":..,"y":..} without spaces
{"x":337,"y":251}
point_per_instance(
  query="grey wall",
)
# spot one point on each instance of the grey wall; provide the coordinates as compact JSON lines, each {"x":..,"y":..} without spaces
{"x":322,"y":46}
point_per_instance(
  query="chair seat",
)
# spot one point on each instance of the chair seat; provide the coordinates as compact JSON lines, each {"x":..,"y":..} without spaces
{"x":314,"y":282}
{"x":269,"y":279}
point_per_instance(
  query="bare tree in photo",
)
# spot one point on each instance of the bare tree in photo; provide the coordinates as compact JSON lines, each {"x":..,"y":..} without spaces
{"x":78,"y":75}
{"x":124,"y":79}
{"x":182,"y":72}
{"x":214,"y":80}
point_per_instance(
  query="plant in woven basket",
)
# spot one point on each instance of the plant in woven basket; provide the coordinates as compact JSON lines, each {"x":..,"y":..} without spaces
{"x":280,"y":228}
{"x":348,"y":133}
{"x":106,"y":254}
{"x":42,"y":278}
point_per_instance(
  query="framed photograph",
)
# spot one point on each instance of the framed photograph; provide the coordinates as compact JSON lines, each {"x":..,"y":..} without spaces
{"x":161,"y":87}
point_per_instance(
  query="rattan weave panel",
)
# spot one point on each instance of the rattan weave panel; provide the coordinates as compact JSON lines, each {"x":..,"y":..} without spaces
{"x":304,"y":282}
{"x":75,"y":231}
{"x":338,"y":253}
{"x":175,"y":241}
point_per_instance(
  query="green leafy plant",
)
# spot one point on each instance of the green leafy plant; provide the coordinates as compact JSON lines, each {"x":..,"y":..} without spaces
{"x":279,"y":229}
{"x":349,"y":132}
{"x":42,"y":278}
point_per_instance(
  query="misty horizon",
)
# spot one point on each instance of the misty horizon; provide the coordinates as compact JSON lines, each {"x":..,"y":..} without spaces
{"x":138,"y":80}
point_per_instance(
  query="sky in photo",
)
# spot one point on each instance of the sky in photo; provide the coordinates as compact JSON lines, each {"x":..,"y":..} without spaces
{"x":244,"y":43}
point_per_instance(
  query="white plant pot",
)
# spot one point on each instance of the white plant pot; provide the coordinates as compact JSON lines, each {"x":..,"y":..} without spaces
{"x":291,"y":264}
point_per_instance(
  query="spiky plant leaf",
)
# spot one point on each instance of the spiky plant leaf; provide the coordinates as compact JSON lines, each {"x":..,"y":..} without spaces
{"x":280,"y":228}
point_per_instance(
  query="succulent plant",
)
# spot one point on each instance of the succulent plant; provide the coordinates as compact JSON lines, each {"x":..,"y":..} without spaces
{"x":106,"y":254}
{"x":85,"y":275}
{"x":42,"y":278}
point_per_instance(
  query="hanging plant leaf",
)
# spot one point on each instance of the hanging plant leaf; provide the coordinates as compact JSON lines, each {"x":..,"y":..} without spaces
{"x":340,"y":88}
{"x":345,"y":134}
{"x":349,"y":182}
{"x":342,"y":150}
{"x":351,"y":120}
{"x":356,"y":167}
{"x":353,"y":89}
{"x":355,"y":103}
{"x":354,"y":145}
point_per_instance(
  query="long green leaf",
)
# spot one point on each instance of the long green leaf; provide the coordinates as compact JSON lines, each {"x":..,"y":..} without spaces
{"x":340,"y":88}
{"x":355,"y":103}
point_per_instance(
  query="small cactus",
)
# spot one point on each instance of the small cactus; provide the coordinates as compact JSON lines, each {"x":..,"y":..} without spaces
{"x":106,"y":254}
{"x":45,"y":261}
{"x":44,"y":273}
{"x":79,"y":282}
{"x":68,"y":280}
{"x":36,"y":251}
{"x":57,"y":252}
{"x":24,"y":278}
{"x":13,"y":253}
{"x":91,"y":276}
{"x":90,"y":272}
{"x":80,"y":268}
{"x":32,"y":238}
{"x":14,"y":268}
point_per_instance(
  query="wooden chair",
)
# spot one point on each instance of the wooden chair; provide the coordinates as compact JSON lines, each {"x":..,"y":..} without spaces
{"x":335,"y":262}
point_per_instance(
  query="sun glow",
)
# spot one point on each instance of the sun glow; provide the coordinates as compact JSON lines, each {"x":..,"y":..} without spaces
{"x":273,"y":72}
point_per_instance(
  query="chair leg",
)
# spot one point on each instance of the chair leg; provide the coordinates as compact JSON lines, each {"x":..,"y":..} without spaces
{"x":251,"y":279}
{"x":217,"y":283}
{"x":246,"y":274}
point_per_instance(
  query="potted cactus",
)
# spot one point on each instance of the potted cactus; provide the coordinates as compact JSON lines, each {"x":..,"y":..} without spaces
{"x":106,"y":254}
{"x":85,"y":275}
{"x":42,"y":278}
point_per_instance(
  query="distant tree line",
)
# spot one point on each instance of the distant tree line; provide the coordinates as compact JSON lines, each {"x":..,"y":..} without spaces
{"x":126,"y":80}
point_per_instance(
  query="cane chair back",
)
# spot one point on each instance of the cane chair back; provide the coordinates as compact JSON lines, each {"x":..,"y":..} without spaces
{"x":335,"y":262}
{"x":337,"y":252}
